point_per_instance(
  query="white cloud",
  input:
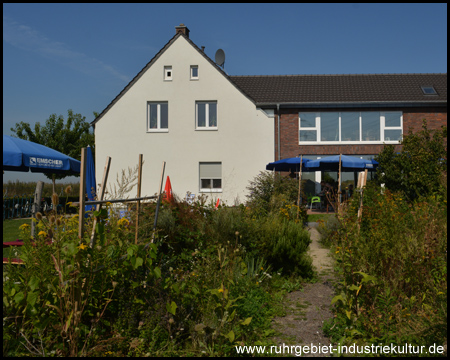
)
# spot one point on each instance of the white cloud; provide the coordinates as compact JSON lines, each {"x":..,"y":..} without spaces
{"x":28,"y":39}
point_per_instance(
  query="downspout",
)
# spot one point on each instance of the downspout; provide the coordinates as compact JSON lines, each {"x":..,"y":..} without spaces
{"x":278,"y":126}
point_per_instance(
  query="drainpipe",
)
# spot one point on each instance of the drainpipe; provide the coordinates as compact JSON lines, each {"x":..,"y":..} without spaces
{"x":278,"y":125}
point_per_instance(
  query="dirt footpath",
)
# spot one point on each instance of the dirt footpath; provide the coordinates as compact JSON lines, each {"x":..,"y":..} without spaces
{"x":307,"y":309}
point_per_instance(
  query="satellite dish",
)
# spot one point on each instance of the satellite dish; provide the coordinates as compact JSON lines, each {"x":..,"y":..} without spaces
{"x":220,"y":57}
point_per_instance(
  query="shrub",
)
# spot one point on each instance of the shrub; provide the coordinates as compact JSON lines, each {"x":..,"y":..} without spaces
{"x":418,"y":169}
{"x":393,"y":267}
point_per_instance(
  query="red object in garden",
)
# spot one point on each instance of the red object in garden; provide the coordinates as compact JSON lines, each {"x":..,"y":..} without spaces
{"x":217,"y":203}
{"x":168,"y":196}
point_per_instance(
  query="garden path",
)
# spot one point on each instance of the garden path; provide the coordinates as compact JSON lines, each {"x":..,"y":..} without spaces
{"x":308,"y":308}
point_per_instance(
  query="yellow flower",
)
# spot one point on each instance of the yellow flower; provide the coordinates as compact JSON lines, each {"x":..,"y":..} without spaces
{"x":220,"y":290}
{"x":123,"y":222}
{"x":82,"y":246}
{"x":24,"y":226}
{"x":108,"y":204}
{"x":42,"y":233}
{"x":69,"y":203}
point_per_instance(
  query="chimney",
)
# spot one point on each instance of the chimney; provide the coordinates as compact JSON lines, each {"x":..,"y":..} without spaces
{"x":182,"y":29}
{"x":203,"y":48}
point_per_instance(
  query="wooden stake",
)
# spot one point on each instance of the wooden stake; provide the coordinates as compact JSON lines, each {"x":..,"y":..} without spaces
{"x":159,"y":200}
{"x":138,"y":203}
{"x":100,"y":197}
{"x":82,"y":193}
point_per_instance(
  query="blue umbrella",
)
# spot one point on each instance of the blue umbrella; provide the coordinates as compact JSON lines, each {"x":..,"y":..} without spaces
{"x":289,"y":164}
{"x":90,"y":178}
{"x":23,"y":155}
{"x":348,"y":163}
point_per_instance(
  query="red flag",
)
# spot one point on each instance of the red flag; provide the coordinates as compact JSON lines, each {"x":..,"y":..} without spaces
{"x":217,"y":203}
{"x":168,"y":190}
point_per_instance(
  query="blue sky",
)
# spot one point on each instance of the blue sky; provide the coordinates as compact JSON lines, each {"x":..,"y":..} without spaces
{"x":80,"y":56}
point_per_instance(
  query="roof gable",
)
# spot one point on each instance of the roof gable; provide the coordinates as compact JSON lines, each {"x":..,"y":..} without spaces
{"x":153,"y":60}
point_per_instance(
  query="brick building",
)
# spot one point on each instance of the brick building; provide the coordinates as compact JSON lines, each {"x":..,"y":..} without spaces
{"x":216,"y":132}
{"x":322,"y":115}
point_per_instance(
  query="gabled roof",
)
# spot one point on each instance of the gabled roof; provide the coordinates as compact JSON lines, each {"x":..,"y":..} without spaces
{"x":339,"y":89}
{"x":322,"y":90}
{"x":152,"y":61}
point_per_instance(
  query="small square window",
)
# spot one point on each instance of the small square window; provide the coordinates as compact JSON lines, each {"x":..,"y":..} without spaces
{"x":429,"y":90}
{"x":194,"y":72}
{"x":167,"y":72}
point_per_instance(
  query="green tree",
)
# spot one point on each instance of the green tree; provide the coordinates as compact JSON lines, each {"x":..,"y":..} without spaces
{"x":418,"y":169}
{"x":67,"y":137}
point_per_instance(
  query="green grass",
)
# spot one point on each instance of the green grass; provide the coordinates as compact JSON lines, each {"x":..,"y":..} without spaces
{"x":11,"y":231}
{"x":315,"y":217}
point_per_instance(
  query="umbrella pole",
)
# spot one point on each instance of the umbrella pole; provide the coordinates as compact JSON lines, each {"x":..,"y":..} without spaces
{"x":36,"y":205}
{"x":82,"y":193}
{"x":339,"y":189}
{"x":299,"y":186}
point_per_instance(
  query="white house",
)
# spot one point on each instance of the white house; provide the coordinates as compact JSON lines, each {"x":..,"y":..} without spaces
{"x":183,"y":109}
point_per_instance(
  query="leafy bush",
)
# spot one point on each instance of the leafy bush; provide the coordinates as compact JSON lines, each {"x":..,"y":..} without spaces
{"x":393,"y":266}
{"x":418,"y":169}
{"x":271,"y":192}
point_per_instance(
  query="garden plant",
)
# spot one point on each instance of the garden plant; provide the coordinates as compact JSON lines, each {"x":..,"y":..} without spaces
{"x":212,"y":279}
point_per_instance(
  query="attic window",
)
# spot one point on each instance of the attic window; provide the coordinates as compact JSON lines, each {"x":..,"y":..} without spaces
{"x":429,"y":90}
{"x":167,"y":72}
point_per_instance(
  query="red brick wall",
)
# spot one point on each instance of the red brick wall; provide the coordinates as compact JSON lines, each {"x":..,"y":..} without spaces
{"x":412,"y":119}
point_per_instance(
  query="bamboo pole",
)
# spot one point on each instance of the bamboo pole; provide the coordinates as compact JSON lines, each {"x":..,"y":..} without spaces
{"x":96,"y":202}
{"x":100,"y":196}
{"x":138,"y":203}
{"x":159,"y":200}
{"x":82,"y":193}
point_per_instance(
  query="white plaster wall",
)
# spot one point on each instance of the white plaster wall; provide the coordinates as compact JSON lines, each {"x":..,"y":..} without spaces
{"x":243,"y":142}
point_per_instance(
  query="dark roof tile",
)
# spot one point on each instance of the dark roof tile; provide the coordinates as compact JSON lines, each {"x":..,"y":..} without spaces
{"x":365,"y":88}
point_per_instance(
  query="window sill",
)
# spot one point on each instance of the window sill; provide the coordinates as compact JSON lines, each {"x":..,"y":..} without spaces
{"x":208,"y":191}
{"x":194,"y":79}
{"x":206,"y":129}
{"x":158,"y":131}
{"x":368,"y":142}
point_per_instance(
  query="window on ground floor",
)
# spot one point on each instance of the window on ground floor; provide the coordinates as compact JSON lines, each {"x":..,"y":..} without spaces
{"x":210,"y":175}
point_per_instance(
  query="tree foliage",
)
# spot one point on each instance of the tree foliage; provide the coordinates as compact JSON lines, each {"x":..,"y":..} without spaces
{"x":67,"y":137}
{"x":419,"y":168}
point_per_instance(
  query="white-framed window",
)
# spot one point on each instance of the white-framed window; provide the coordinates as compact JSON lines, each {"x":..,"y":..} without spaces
{"x":168,"y":73}
{"x":194,"y":72}
{"x":392,"y":123}
{"x":157,"y":116}
{"x":206,"y":115}
{"x":350,"y":127}
{"x":210,"y":176}
{"x":308,"y":125}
